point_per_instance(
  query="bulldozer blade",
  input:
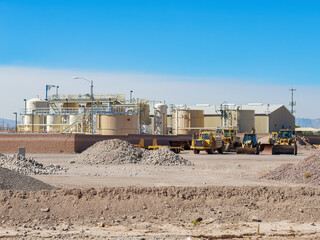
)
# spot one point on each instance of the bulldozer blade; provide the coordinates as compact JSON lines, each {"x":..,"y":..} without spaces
{"x":266,"y":148}
{"x":283,"y":149}
{"x":246,"y":150}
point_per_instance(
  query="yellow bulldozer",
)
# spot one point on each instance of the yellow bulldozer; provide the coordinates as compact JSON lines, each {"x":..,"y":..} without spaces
{"x":207,"y":141}
{"x":230,"y":139}
{"x":250,"y":144}
{"x":284,"y":143}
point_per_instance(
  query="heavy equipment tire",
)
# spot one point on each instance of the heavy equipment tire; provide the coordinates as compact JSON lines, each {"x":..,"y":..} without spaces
{"x":295,"y":150}
{"x":257,"y":151}
{"x":220,"y":150}
{"x":196,"y":151}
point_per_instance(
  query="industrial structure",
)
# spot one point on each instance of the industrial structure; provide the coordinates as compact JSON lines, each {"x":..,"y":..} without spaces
{"x":265,"y":118}
{"x":113,"y":114}
{"x":109,"y":115}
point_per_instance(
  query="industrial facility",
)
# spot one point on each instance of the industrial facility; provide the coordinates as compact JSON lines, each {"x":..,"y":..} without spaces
{"x":113,"y":114}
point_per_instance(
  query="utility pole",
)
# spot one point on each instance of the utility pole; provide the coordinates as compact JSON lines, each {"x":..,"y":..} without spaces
{"x":292,"y":103}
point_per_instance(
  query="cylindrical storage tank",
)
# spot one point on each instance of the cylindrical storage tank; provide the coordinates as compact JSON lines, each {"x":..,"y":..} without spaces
{"x":72,"y":120}
{"x":160,"y":119}
{"x":187,"y":121}
{"x":37,"y":105}
{"x":52,"y":121}
{"x":35,"y":120}
{"x":145,"y":114}
{"x":117,"y":124}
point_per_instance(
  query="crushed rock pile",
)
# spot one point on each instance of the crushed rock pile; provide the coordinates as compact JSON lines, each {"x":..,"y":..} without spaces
{"x":27,"y":165}
{"x":304,"y":143}
{"x":15,"y":181}
{"x":116,"y":151}
{"x":307,"y":171}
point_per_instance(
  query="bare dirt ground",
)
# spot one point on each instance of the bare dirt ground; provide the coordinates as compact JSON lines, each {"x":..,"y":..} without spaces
{"x":228,"y":169}
{"x":220,"y":197}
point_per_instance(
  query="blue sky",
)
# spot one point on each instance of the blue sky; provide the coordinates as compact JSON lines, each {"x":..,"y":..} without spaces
{"x":273,"y":42}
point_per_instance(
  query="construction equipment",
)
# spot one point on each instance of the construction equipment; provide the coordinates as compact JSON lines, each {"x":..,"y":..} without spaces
{"x":266,"y":148}
{"x":231,"y":141}
{"x":155,"y":146}
{"x":285,"y":143}
{"x":207,"y":141}
{"x":250,"y":144}
{"x":141,"y":144}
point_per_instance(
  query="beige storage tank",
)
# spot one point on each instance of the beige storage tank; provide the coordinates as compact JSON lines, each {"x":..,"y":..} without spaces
{"x":117,"y":124}
{"x":52,"y":121}
{"x":144,"y":114}
{"x":160,"y":119}
{"x":36,"y":107}
{"x":187,"y":121}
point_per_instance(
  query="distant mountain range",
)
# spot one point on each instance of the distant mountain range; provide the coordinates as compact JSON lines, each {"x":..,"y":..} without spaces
{"x":5,"y":123}
{"x":305,"y":122}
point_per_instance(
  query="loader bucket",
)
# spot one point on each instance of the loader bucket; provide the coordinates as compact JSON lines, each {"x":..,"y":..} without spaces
{"x":241,"y":150}
{"x":266,"y":148}
{"x":283,"y":149}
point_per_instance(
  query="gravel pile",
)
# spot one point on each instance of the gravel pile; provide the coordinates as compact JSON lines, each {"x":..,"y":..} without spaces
{"x":15,"y":181}
{"x":116,"y":151}
{"x":307,"y":171}
{"x":27,"y":166}
{"x":303,"y":143}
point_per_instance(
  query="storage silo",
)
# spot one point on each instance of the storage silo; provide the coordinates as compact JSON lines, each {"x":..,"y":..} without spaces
{"x":187,"y":121}
{"x":160,"y":119}
{"x":35,"y":117}
{"x":53,"y":122}
{"x":117,"y":124}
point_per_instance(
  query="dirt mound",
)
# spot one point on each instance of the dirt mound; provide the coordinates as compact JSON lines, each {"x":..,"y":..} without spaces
{"x":15,"y":181}
{"x":27,"y":166}
{"x":116,"y":151}
{"x":307,"y":171}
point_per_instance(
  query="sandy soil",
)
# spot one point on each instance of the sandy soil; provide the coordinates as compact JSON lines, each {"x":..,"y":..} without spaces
{"x":219,"y":197}
{"x":228,"y":169}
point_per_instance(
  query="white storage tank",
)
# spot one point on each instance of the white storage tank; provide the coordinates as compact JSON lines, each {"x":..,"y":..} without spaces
{"x":53,"y":122}
{"x":160,"y":119}
{"x":35,"y":118}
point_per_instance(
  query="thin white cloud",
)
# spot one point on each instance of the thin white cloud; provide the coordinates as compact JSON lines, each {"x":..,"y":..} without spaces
{"x":18,"y":83}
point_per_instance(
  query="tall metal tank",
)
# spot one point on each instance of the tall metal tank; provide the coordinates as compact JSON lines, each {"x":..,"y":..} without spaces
{"x":187,"y":121}
{"x":36,"y":107}
{"x":160,"y":119}
{"x":144,"y":114}
{"x":117,"y":124}
{"x":52,"y":121}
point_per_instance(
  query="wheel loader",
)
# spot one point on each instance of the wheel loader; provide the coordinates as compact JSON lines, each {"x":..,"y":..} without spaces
{"x":231,"y":141}
{"x":207,"y":141}
{"x":285,"y":143}
{"x":266,"y":148}
{"x":250,"y":144}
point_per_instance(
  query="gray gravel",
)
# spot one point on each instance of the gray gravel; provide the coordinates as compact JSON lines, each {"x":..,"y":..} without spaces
{"x":27,"y":165}
{"x":307,"y":171}
{"x":115,"y":151}
{"x":15,"y":181}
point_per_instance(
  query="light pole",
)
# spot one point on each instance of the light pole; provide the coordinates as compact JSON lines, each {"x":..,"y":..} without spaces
{"x":15,"y":113}
{"x":91,"y":82}
{"x":25,"y":106}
